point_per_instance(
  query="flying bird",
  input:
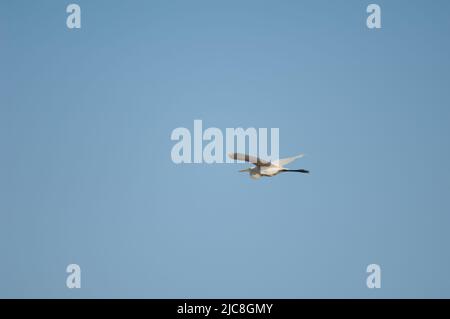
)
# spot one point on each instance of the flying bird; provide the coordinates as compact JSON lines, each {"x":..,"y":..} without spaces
{"x":266,"y":168}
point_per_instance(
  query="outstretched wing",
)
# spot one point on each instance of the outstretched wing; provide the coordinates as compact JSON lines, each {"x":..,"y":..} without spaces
{"x":248,"y":158}
{"x":285,"y":161}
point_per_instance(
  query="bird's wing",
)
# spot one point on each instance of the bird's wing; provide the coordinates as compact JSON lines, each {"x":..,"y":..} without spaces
{"x":285,"y":161}
{"x":248,"y":158}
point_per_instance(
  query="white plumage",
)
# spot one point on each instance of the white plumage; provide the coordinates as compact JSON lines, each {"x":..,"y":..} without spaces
{"x":266,"y":168}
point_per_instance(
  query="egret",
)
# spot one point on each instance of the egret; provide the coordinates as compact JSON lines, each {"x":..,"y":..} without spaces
{"x":266,"y":168}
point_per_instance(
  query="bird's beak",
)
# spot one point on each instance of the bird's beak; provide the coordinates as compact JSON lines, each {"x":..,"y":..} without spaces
{"x":245,"y":170}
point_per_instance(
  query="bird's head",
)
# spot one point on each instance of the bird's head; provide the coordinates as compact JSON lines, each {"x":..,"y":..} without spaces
{"x":255,"y":175}
{"x":253,"y":172}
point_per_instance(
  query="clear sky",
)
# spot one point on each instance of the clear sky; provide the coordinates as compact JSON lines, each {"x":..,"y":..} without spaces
{"x":86,"y":175}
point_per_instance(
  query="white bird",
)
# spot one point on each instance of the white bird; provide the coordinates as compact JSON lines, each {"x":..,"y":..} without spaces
{"x":265,"y":168}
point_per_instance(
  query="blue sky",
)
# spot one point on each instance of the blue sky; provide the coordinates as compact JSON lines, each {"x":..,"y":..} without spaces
{"x":86,"y":175}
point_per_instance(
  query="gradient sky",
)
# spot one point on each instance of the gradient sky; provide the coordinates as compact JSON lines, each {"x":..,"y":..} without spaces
{"x":86,"y":175}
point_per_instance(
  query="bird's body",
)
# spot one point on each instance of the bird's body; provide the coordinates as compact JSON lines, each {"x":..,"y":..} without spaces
{"x":265,"y":168}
